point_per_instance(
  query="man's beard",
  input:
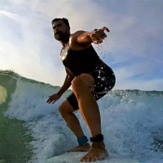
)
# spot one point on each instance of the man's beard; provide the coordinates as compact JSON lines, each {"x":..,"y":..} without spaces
{"x":60,"y":36}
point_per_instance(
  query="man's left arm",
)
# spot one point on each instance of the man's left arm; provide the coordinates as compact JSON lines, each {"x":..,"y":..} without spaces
{"x":97,"y":36}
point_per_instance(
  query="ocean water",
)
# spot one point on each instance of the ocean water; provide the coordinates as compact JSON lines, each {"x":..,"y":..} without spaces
{"x":31,"y":131}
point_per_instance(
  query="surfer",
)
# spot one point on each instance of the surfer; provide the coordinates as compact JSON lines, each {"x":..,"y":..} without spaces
{"x":90,"y":79}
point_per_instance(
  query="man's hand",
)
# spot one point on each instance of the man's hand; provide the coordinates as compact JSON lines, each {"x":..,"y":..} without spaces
{"x":53,"y":98}
{"x":98,"y":35}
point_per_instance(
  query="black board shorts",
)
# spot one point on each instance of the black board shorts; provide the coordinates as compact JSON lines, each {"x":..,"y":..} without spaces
{"x":104,"y":81}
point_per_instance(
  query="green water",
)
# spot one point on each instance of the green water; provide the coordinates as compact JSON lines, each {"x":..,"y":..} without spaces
{"x":14,"y":138}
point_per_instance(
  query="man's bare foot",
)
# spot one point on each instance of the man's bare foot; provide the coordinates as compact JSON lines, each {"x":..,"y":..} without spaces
{"x":81,"y":148}
{"x":97,"y":152}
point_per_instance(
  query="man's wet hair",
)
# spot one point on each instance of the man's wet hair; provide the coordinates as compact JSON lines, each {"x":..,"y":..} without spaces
{"x":63,"y":19}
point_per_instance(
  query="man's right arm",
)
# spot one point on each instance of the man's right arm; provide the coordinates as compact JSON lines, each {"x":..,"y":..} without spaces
{"x":65,"y":86}
{"x":67,"y":82}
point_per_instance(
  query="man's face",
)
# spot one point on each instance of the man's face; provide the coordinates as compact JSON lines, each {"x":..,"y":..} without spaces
{"x":60,"y":29}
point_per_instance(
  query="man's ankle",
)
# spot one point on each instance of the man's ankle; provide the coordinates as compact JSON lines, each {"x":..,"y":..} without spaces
{"x":97,"y":138}
{"x":97,"y":141}
{"x":82,"y":140}
{"x":98,"y":144}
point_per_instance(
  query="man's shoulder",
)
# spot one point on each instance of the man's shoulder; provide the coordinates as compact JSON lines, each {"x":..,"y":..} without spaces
{"x":73,"y":42}
{"x":77,"y":33}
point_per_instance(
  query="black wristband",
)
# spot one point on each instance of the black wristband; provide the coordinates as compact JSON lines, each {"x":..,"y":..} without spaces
{"x":97,"y":138}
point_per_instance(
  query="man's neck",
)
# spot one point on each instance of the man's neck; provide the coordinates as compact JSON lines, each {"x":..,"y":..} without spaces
{"x":65,"y":42}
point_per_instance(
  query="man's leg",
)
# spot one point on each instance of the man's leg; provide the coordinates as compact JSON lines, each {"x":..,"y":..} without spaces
{"x":66,"y":110}
{"x":82,"y":87}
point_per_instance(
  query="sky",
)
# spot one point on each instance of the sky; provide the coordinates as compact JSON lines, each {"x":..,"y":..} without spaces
{"x":133,"y":48}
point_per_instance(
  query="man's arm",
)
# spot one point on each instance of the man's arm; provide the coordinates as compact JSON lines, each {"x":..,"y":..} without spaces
{"x":69,"y":77}
{"x":67,"y":82}
{"x":97,"y":36}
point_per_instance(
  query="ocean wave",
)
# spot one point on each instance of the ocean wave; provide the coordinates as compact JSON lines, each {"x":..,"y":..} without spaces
{"x":131,"y":119}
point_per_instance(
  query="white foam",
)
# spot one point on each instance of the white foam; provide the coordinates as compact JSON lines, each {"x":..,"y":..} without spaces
{"x":131,"y":122}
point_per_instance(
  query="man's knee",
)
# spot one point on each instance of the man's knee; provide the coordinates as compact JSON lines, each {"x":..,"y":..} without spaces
{"x":77,"y":82}
{"x":82,"y":81}
{"x":65,"y":108}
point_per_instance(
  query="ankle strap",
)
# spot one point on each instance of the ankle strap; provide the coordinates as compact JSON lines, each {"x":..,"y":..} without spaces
{"x":97,"y":138}
{"x":82,"y":140}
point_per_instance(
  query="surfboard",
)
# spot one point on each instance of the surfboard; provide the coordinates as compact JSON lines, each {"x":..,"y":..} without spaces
{"x":74,"y":157}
